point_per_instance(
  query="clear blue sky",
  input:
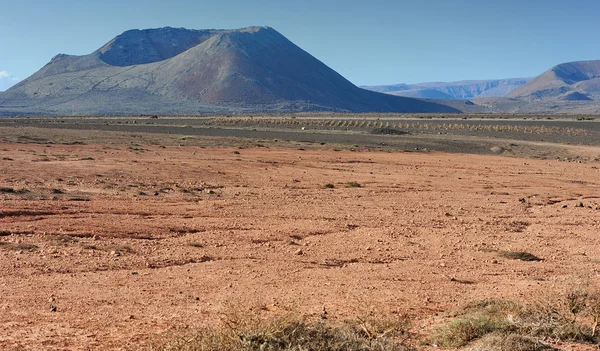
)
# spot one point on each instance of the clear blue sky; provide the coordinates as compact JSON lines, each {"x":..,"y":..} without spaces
{"x":368,"y":42}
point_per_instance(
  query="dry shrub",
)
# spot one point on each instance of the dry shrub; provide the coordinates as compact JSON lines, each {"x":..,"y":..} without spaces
{"x":509,"y":342}
{"x":463,"y":330}
{"x":249,"y":332}
{"x":571,"y":316}
{"x":18,"y":247}
{"x":61,"y":240}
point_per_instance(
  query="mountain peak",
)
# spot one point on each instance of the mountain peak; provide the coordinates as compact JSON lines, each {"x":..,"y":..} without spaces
{"x":136,"y":47}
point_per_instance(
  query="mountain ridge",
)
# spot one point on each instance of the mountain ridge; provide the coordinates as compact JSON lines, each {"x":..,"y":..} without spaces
{"x":461,"y":90}
{"x":570,"y":80}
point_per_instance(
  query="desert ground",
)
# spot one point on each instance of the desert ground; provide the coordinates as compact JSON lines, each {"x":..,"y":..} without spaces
{"x":114,"y":236}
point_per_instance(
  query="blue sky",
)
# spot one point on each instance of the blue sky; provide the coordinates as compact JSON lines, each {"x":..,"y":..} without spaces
{"x":368,"y":42}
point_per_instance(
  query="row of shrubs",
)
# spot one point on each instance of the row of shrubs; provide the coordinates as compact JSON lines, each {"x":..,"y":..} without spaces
{"x":356,"y":123}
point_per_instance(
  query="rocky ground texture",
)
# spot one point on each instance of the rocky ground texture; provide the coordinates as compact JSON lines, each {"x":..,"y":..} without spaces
{"x":113,"y":246}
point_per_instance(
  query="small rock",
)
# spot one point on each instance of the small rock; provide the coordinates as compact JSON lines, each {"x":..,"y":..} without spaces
{"x":52,"y":308}
{"x":299,"y":252}
{"x":134,"y":273}
{"x":115,"y":253}
{"x":368,"y":248}
{"x":564,"y":206}
{"x":495,"y":261}
{"x":324,"y":314}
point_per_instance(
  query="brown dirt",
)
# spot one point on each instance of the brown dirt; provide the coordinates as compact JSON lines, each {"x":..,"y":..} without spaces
{"x":134,"y":241}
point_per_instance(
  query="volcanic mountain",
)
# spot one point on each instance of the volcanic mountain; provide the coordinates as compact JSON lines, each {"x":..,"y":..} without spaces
{"x":573,"y":81}
{"x":177,"y":70}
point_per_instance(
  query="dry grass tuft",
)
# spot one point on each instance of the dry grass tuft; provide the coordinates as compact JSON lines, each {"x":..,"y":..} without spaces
{"x":284,"y":333}
{"x":62,"y":240}
{"x":509,"y":342}
{"x":503,"y":325}
{"x":463,"y":330}
{"x":18,"y":247}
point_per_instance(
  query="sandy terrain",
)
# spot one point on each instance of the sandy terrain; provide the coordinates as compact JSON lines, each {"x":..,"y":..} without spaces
{"x":132,"y":241}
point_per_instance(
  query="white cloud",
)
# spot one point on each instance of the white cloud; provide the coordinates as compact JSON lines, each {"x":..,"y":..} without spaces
{"x":7,"y":80}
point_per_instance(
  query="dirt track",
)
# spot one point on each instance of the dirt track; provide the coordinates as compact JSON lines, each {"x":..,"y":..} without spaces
{"x":133,"y":241}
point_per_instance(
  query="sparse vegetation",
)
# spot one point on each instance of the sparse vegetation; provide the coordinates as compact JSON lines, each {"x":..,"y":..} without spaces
{"x":388,"y":131}
{"x":18,"y":247}
{"x":9,"y":190}
{"x":474,"y":321}
{"x":110,"y":248}
{"x":62,"y":240}
{"x":461,"y":331}
{"x":283,"y":334}
{"x":519,"y":255}
{"x":392,"y":126}
{"x":353,"y":184}
{"x":509,"y":342}
{"x":502,"y":325}
{"x":329,"y":186}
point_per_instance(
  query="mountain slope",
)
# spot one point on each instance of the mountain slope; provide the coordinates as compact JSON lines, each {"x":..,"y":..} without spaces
{"x":578,"y":80}
{"x":468,"y":89}
{"x":169,"y":70}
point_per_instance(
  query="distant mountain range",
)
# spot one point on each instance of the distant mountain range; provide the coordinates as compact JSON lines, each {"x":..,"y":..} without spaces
{"x":462,"y":90}
{"x":572,"y":87}
{"x":177,"y":70}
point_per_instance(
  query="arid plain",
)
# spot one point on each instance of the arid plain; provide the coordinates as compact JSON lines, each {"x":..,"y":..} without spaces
{"x":122,"y":239}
